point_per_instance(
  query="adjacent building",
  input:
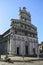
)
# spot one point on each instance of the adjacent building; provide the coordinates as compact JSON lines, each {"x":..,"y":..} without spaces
{"x":21,"y":38}
{"x":41,"y":47}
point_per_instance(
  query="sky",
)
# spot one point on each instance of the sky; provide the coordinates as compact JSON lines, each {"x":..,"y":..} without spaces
{"x":10,"y":9}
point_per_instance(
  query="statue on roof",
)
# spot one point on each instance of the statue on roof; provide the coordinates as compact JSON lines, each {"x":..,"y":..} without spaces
{"x":24,"y":7}
{"x":19,"y":8}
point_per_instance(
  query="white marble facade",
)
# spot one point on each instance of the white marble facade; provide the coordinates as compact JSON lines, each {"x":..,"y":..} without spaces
{"x":23,"y":35}
{"x":21,"y":42}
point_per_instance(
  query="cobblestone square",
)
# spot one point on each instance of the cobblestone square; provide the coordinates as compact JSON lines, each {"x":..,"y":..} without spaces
{"x":22,"y":63}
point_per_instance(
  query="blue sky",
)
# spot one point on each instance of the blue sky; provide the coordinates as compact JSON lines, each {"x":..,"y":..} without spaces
{"x":10,"y":9}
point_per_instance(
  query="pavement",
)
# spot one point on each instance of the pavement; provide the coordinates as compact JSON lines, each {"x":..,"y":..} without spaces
{"x":18,"y":60}
{"x":23,"y":63}
{"x":21,"y":59}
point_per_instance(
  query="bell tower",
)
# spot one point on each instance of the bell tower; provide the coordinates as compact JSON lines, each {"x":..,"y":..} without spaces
{"x":24,"y":15}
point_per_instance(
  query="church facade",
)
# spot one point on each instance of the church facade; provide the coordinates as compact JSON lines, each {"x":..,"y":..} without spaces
{"x":21,"y":38}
